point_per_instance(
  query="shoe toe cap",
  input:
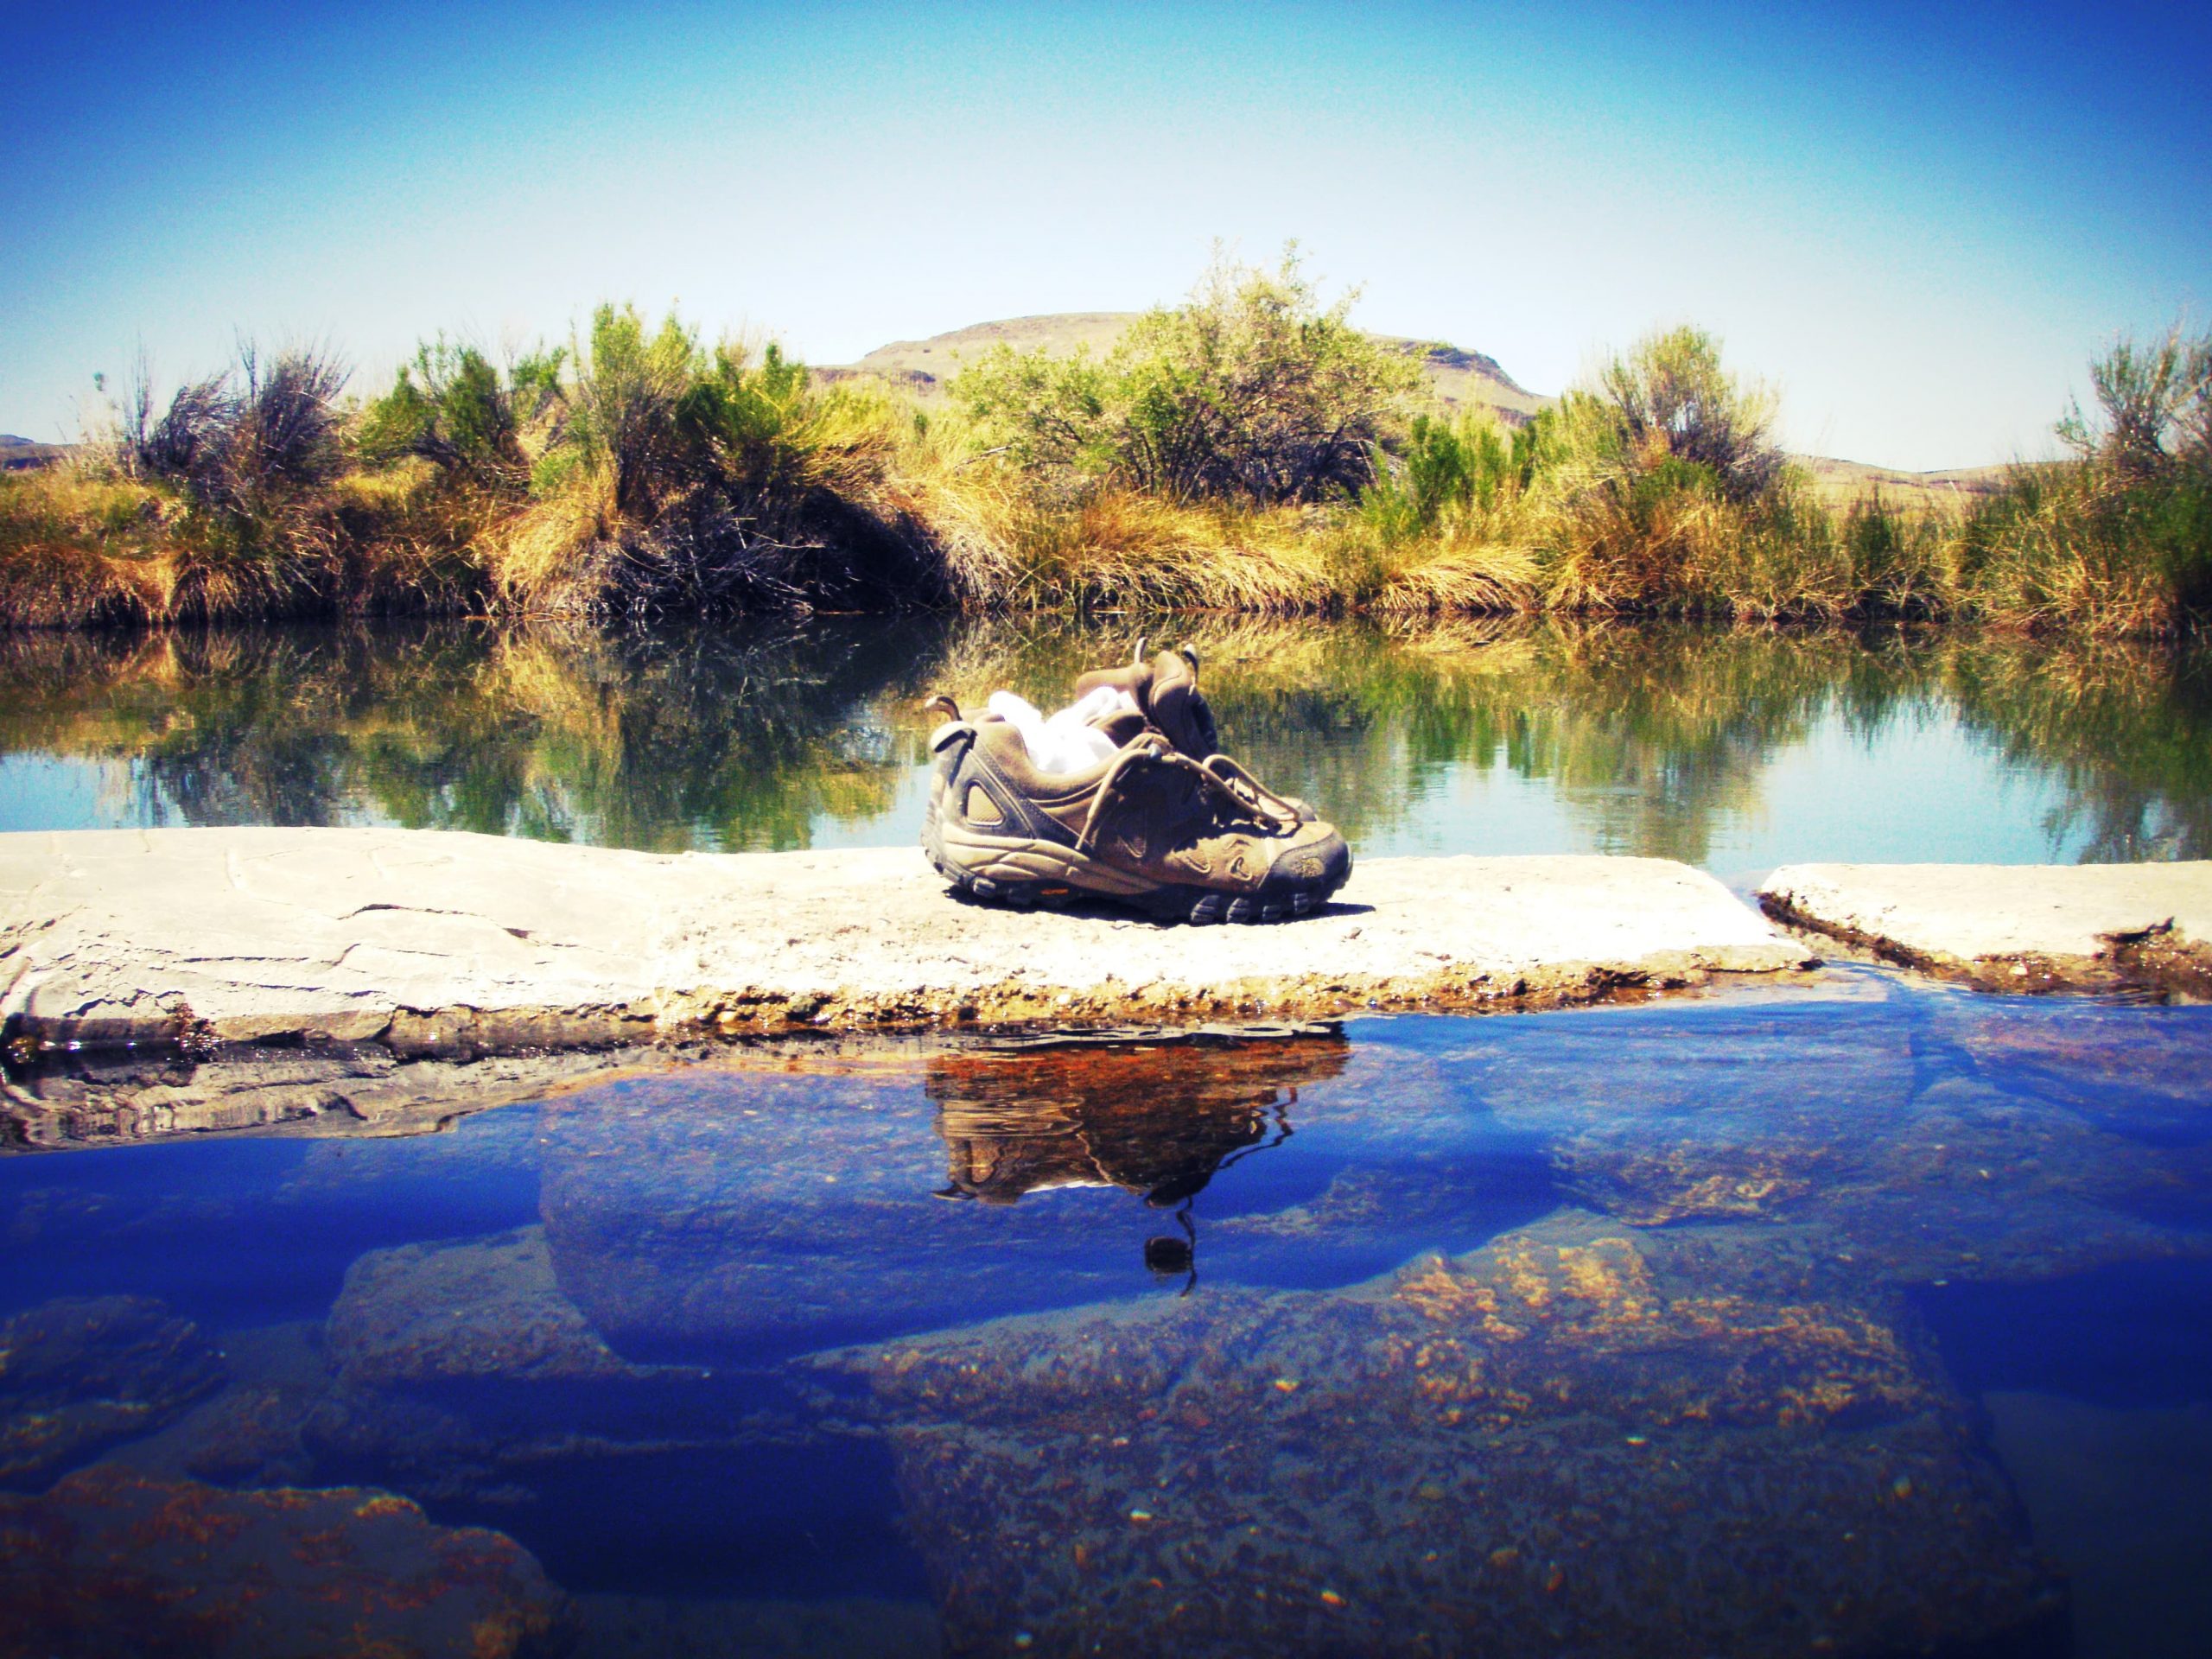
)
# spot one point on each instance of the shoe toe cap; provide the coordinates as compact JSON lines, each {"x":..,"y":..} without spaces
{"x":1318,"y":859}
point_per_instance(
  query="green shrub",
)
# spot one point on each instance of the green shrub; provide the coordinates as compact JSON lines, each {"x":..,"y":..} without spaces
{"x":681,"y":479}
{"x":1250,"y":390}
{"x":1462,"y":463}
{"x":2118,"y":539}
{"x":450,"y":407}
{"x":1671,"y":405}
{"x":2155,"y":405}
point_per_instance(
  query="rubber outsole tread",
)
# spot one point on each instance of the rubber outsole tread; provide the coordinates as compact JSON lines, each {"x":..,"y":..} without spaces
{"x":1169,"y":904}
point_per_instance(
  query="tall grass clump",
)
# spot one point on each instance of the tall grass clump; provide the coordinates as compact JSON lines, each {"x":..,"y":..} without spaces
{"x":215,"y":505}
{"x":1250,"y":390}
{"x":1654,"y":478}
{"x":674,"y":478}
{"x":1204,"y":461}
{"x":2118,"y":539}
{"x":1439,"y":528}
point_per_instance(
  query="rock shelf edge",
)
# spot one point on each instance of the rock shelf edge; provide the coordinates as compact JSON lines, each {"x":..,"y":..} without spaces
{"x":450,"y":946}
{"x":2015,"y":927}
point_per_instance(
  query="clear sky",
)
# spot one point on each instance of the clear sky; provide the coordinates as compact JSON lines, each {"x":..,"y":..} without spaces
{"x":1917,"y":221}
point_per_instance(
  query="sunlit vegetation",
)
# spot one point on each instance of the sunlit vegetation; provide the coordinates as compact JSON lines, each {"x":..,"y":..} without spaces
{"x":1247,"y":450}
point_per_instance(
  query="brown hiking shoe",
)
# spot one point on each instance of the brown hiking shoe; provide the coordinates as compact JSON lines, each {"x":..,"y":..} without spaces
{"x":1148,"y":827}
{"x":1165,"y":690}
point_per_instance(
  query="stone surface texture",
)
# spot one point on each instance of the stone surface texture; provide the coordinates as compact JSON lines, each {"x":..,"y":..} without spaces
{"x":82,"y":1373}
{"x":2049,"y":926}
{"x":114,"y":1561}
{"x":443,"y":944}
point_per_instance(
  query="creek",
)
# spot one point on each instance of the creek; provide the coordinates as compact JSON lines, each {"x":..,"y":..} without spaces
{"x":1865,"y":1315}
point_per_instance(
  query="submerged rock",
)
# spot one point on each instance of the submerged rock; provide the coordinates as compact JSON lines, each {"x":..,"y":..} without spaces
{"x":1576,"y":1439}
{"x":114,"y":1561}
{"x":82,"y":1373}
{"x":486,"y":1308}
{"x":1918,"y":1138}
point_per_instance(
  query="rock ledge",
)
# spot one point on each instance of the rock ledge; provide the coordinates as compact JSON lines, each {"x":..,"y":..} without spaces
{"x":2031,"y":927}
{"x":447,"y":945}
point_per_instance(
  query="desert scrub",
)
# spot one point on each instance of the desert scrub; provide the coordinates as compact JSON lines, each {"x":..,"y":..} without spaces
{"x":675,"y":479}
{"x":1250,"y":390}
{"x":79,"y":547}
{"x":1641,"y":483}
{"x":216,"y":506}
{"x":1248,"y":451}
{"x":2119,"y":538}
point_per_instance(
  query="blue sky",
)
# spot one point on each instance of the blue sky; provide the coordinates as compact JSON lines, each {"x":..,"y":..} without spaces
{"x":1916,"y":222}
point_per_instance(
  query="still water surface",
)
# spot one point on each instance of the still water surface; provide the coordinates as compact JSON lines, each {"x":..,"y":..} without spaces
{"x":1870,"y":1317}
{"x":1737,"y":751}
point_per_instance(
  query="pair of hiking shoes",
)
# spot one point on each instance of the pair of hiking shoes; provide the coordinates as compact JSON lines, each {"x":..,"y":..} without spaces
{"x":1166,"y":823}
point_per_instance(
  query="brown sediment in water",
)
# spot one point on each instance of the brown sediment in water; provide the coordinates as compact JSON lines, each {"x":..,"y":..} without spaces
{"x":1517,"y":1447}
{"x":1621,"y":1417}
{"x":115,"y":1561}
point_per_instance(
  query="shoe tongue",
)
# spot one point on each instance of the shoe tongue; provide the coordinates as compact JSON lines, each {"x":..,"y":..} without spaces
{"x":1136,"y":680}
{"x":1177,"y":708}
{"x":1120,"y":727}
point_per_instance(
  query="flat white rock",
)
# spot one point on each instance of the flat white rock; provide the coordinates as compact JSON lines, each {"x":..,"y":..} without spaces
{"x":263,"y":933}
{"x":1974,"y":911}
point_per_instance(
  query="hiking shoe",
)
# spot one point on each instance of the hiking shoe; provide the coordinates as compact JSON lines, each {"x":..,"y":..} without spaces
{"x":1165,"y":692}
{"x":1148,"y":827}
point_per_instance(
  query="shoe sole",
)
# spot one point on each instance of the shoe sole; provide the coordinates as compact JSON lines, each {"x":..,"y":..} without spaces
{"x":1027,"y":874}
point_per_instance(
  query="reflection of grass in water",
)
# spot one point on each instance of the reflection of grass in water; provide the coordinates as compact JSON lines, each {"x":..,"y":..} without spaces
{"x":1651,"y":732}
{"x":749,"y":737}
{"x":2129,"y":731}
{"x":675,"y":743}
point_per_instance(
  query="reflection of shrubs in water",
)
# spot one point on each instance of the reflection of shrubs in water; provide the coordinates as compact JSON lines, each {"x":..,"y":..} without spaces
{"x":681,"y":740}
{"x":746,"y":738}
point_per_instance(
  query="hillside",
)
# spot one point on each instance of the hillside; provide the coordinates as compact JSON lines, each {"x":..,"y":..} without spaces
{"x":1462,"y":378}
{"x":1841,"y":482}
{"x":27,"y":452}
{"x":923,"y":366}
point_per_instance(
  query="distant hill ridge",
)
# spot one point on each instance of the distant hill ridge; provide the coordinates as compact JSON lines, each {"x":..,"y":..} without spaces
{"x":1460,"y":377}
{"x":29,"y":452}
{"x":1463,"y":379}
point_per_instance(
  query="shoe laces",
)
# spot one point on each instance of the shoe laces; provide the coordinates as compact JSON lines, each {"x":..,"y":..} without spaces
{"x":1154,"y":751}
{"x":1247,"y":788}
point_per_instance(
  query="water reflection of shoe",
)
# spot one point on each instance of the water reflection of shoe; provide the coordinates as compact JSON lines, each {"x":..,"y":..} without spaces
{"x":1149,"y":827}
{"x":1165,"y":692}
{"x":1157,"y":1122}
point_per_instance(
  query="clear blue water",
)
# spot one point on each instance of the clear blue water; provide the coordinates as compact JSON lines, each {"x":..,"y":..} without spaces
{"x":889,"y":1337}
{"x":1865,"y":1317}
